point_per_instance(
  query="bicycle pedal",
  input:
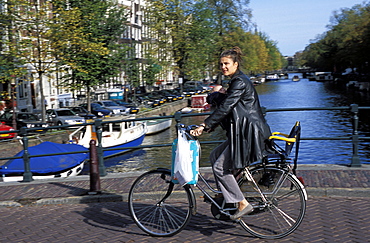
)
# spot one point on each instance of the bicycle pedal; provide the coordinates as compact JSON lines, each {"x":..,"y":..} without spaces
{"x":237,"y":220}
{"x":267,"y":179}
{"x":206,"y":200}
{"x":219,"y":195}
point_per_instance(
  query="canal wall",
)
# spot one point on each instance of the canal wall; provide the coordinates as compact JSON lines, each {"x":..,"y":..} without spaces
{"x":165,"y":109}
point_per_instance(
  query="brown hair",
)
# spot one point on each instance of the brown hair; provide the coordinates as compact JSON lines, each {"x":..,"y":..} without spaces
{"x":234,"y":53}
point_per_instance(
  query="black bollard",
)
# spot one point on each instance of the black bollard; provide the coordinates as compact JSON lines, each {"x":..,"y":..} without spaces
{"x":94,"y":170}
{"x":27,"y":175}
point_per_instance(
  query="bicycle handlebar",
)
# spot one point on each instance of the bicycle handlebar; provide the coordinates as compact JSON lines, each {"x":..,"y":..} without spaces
{"x":275,"y":135}
{"x":186,"y":128}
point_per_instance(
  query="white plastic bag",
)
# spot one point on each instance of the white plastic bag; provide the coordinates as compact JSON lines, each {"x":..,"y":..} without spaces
{"x":183,"y":171}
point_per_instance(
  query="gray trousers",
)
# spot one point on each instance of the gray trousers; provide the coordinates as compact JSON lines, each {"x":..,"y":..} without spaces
{"x":222,"y":169}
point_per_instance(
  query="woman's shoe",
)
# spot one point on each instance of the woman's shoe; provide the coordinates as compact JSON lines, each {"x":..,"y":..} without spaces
{"x":238,"y":214}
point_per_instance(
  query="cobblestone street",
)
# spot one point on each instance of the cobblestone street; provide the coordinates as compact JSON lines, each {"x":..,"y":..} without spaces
{"x":60,"y":211}
{"x":327,"y":220}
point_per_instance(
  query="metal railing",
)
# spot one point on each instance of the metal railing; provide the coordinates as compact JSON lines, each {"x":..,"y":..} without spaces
{"x":355,"y":138}
{"x":98,"y":124}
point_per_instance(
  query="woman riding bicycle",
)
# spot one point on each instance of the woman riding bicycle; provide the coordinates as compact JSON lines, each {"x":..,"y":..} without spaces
{"x":247,"y":132}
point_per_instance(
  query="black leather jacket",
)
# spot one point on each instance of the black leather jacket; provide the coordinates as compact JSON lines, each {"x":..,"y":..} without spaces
{"x":241,"y":116}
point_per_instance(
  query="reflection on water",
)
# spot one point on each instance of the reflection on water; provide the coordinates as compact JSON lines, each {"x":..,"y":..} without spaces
{"x":281,"y":94}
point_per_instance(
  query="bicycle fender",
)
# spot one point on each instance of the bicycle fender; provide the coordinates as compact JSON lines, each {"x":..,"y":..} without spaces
{"x":301,"y":185}
{"x":193,"y":202}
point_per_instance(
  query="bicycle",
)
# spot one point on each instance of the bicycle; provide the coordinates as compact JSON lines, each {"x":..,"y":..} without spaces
{"x":160,"y":207}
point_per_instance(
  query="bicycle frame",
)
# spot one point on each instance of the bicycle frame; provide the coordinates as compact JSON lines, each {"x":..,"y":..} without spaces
{"x":210,"y":198}
{"x":245,"y":172}
{"x":245,"y":175}
{"x":161,"y":206}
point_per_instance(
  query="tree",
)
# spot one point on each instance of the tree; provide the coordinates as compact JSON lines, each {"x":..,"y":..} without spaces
{"x":201,"y":48}
{"x":171,"y":22}
{"x":86,"y":39}
{"x":10,"y":65}
{"x":194,"y":32}
{"x":150,"y":72}
{"x":30,"y":20}
{"x":345,"y":42}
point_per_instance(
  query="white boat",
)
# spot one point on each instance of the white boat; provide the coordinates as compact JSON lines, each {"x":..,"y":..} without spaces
{"x":158,"y":125}
{"x":273,"y":77}
{"x":323,"y":76}
{"x":295,"y":78}
{"x":115,"y":135}
{"x":186,"y":110}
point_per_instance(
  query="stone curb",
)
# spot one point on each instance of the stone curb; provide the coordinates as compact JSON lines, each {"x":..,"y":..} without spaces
{"x":100,"y":198}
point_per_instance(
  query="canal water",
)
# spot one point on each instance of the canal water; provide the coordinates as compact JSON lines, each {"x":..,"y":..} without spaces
{"x":280,"y":94}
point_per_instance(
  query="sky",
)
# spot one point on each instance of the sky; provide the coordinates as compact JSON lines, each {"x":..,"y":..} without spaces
{"x":293,"y":23}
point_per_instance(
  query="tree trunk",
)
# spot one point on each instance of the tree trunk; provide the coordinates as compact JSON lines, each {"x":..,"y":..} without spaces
{"x":42,"y":97}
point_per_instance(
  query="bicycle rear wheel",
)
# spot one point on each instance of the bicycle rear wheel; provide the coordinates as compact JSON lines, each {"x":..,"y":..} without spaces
{"x":158,"y":206}
{"x":285,"y":207}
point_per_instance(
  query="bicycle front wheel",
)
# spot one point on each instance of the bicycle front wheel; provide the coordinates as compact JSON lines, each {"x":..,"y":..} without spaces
{"x":158,"y":206}
{"x":284,"y":209}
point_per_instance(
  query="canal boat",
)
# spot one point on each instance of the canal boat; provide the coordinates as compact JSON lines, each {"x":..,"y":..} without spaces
{"x":295,"y":78}
{"x":323,"y":76}
{"x":186,"y":110}
{"x":49,"y":166}
{"x":273,"y":77}
{"x":115,"y":135}
{"x":158,"y":125}
{"x":199,"y":102}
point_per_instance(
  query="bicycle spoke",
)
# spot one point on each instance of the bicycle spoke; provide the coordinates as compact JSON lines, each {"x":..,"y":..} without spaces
{"x":159,"y":207}
{"x":285,"y":206}
{"x":285,"y":216}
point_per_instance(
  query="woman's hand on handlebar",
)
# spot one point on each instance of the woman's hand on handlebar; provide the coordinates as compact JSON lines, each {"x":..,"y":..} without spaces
{"x":197,"y":131}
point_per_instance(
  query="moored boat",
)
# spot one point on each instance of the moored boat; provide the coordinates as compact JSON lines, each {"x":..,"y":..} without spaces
{"x":295,"y":78}
{"x":186,"y":110}
{"x":323,"y":76}
{"x":115,"y":135}
{"x":273,"y":77}
{"x":200,"y":102}
{"x":158,"y":125}
{"x":47,"y":167}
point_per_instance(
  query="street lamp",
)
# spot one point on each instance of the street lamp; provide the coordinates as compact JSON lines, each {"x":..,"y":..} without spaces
{"x":14,"y":122}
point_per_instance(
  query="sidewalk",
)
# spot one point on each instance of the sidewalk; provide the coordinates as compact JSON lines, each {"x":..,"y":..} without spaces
{"x":320,"y":180}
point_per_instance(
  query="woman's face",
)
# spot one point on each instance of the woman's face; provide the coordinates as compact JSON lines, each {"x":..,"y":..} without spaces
{"x":228,"y":66}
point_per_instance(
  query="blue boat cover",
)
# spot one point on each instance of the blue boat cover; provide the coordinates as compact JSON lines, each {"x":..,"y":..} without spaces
{"x":47,"y":164}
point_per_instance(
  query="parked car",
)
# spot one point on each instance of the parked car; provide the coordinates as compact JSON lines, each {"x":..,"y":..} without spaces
{"x":59,"y":117}
{"x":206,"y":88}
{"x":156,"y":98}
{"x":98,"y":110}
{"x":4,"y":128}
{"x":190,"y":91}
{"x":80,"y":111}
{"x":178,"y":93}
{"x":192,"y":84}
{"x":147,"y":102}
{"x":169,"y":96}
{"x":133,"y":108}
{"x":24,"y":119}
{"x":117,"y":109}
